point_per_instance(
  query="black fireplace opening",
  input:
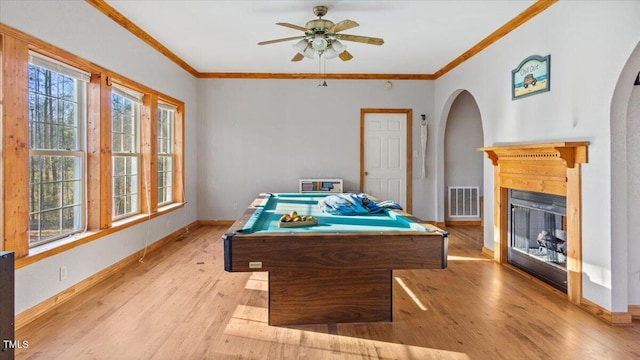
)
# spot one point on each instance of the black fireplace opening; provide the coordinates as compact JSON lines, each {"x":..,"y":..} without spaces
{"x":538,"y":235}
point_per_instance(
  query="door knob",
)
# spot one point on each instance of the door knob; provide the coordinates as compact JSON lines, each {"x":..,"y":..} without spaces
{"x":366,"y":173}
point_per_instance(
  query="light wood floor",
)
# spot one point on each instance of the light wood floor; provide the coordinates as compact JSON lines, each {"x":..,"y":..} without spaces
{"x":180,"y":304}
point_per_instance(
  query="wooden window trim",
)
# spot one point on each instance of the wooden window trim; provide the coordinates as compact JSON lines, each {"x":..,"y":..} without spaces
{"x":99,"y":152}
{"x":178,"y":154}
{"x":59,"y":246}
{"x":15,"y":148}
{"x":14,"y":57}
{"x":148,"y":149}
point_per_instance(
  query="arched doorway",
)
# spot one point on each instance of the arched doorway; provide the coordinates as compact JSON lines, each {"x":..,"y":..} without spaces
{"x":625,"y":188}
{"x":463,"y":164}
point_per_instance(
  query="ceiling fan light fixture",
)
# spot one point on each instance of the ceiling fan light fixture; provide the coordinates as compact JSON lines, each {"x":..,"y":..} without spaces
{"x":301,"y":45}
{"x":308,"y":53}
{"x":338,"y":46}
{"x":319,"y":43}
{"x":330,"y":53}
{"x":321,"y":38}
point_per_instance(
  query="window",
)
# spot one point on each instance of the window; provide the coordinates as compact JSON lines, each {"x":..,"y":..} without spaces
{"x":73,"y":165}
{"x":166,"y":118}
{"x":125,"y":121}
{"x":57,"y":112}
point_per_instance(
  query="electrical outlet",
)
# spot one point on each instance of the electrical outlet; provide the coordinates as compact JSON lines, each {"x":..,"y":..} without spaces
{"x":63,"y":272}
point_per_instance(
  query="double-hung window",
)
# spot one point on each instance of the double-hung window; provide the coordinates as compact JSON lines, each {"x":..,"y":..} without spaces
{"x":125,"y":138}
{"x":57,"y":117}
{"x":166,"y":119}
{"x":68,"y":123}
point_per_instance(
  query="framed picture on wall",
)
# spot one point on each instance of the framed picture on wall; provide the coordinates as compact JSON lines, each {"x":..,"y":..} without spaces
{"x":531,"y":77}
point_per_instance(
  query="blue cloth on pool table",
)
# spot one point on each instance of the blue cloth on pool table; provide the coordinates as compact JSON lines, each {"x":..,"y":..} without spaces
{"x":354,"y":204}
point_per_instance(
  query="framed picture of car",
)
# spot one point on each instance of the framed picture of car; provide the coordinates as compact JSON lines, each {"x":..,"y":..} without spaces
{"x":532,"y":76}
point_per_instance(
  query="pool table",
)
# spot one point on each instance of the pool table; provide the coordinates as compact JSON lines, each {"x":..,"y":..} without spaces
{"x":339,"y":270}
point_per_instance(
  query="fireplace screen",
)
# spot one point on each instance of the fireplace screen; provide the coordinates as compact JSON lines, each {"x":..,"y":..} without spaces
{"x":537,"y":235}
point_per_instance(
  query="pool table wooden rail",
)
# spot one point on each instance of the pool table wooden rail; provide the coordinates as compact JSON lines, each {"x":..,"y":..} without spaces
{"x":330,"y":251}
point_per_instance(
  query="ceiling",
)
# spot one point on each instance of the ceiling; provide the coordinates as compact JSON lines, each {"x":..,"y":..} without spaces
{"x":420,"y":37}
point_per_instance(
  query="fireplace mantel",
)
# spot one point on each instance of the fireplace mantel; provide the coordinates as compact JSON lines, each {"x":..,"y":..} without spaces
{"x":537,"y":167}
{"x":550,"y":168}
{"x":570,"y":152}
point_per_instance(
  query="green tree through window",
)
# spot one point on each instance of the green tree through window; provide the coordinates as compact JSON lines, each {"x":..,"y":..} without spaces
{"x":56,"y":156}
{"x":125,"y":117}
{"x":166,"y":118}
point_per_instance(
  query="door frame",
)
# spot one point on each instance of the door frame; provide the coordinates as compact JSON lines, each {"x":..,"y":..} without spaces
{"x":409,"y":152}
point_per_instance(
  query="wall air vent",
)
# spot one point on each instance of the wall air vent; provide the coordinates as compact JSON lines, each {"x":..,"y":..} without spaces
{"x":464,"y":201}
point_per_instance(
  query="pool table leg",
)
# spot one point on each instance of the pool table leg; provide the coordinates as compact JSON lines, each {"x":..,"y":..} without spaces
{"x":329,"y":296}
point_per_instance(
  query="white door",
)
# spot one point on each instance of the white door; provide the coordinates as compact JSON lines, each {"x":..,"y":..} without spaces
{"x":385,"y":156}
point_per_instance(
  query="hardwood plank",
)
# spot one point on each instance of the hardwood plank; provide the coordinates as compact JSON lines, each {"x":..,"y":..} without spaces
{"x":180,"y":304}
{"x":48,"y":305}
{"x":226,"y":223}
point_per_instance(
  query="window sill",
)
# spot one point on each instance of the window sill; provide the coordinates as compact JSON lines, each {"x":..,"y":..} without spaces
{"x":56,"y":247}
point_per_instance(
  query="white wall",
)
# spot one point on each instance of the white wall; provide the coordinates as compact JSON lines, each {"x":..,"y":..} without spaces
{"x":633,"y":193}
{"x":82,"y":30}
{"x":589,"y":43}
{"x":263,"y":135}
{"x":463,"y":163}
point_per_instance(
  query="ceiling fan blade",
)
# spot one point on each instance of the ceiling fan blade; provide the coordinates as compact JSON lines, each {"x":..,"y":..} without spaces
{"x":345,"y":56}
{"x":343,"y":25}
{"x":361,"y":39}
{"x":296,"y":27}
{"x":280,"y":40}
{"x":298,"y":57}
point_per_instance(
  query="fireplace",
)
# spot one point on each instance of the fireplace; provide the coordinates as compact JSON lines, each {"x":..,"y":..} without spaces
{"x":537,"y":235}
{"x":537,"y":211}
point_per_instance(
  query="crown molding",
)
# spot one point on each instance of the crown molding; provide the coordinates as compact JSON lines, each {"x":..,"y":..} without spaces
{"x":225,"y":75}
{"x":116,"y":16}
{"x":535,"y":9}
{"x":514,"y":23}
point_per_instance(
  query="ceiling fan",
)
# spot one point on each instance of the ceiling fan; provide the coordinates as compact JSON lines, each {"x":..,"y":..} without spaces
{"x":323,"y":37}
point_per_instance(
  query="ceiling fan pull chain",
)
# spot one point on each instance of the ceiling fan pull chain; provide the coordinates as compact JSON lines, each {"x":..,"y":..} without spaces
{"x":320,"y":70}
{"x":324,"y":70}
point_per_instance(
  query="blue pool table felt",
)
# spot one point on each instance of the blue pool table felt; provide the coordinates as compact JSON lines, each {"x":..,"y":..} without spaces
{"x":273,"y":206}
